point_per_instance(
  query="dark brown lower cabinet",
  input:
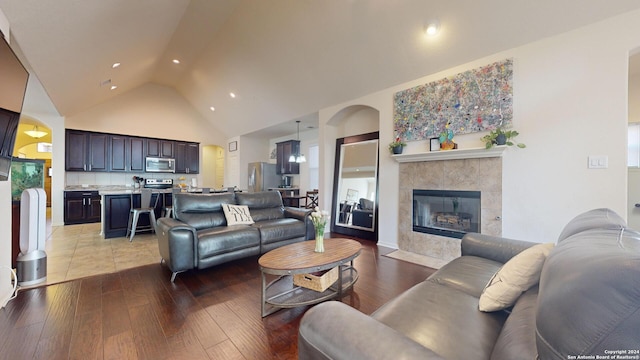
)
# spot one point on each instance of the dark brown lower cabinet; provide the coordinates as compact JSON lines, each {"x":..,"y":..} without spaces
{"x":81,"y":207}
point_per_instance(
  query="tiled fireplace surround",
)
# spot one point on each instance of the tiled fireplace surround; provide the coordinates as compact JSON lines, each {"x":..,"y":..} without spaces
{"x":483,"y":174}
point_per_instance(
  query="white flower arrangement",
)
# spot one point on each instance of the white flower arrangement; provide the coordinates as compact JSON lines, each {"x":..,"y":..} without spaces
{"x":319,"y":218}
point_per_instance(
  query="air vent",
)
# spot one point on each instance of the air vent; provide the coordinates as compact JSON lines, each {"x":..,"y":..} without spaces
{"x":105,"y":82}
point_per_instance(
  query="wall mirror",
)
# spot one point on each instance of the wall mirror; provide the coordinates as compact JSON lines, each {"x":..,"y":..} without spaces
{"x":355,"y":187}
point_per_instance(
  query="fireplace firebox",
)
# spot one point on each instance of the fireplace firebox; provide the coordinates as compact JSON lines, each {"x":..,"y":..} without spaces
{"x":450,"y":213}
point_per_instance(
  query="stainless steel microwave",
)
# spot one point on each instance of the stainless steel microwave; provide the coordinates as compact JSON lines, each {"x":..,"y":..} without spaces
{"x":156,"y":164}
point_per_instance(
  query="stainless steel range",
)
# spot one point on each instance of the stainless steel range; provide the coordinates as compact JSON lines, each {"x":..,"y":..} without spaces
{"x":158,"y":183}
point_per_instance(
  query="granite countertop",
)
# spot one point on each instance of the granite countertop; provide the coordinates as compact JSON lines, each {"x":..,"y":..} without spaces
{"x":130,"y":191}
{"x":119,"y":189}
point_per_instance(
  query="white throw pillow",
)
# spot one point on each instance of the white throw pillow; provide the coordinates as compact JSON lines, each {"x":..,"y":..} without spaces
{"x":237,"y":214}
{"x":515,"y":277}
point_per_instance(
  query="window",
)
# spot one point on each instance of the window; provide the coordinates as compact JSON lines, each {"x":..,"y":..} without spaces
{"x":44,"y":147}
{"x":633,"y":157}
{"x":314,"y":166}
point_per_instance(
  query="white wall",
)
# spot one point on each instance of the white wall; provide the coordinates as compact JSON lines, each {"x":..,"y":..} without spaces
{"x":232,"y":165}
{"x":634,"y":97}
{"x":150,"y":110}
{"x":38,"y":106}
{"x":633,"y":182}
{"x":570,"y":101}
{"x":5,"y":242}
{"x":251,"y":149}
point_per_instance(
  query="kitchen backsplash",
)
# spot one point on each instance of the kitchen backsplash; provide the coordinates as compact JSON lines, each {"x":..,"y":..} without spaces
{"x":122,"y":179}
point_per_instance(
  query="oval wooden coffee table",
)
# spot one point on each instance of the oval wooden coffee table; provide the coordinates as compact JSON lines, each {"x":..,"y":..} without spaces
{"x":300,"y":258}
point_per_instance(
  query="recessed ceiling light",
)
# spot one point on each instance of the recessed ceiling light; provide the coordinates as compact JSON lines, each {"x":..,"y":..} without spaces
{"x":233,"y":95}
{"x":175,"y":61}
{"x":115,"y":65}
{"x":113,"y":87}
{"x":432,"y":28}
{"x":212,"y":108}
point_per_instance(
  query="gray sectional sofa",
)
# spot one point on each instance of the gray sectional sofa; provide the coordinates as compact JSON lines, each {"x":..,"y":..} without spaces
{"x":586,"y":304}
{"x":198,"y":236}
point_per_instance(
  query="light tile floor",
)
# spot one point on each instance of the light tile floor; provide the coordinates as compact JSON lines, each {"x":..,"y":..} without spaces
{"x":76,"y":251}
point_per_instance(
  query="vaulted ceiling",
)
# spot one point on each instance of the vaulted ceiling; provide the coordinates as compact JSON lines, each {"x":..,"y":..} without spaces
{"x":284,"y":59}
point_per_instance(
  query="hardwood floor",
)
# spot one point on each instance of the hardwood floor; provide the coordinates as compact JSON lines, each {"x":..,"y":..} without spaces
{"x":210,"y":314}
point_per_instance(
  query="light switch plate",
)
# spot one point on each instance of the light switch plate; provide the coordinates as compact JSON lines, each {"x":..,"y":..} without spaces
{"x":598,"y":162}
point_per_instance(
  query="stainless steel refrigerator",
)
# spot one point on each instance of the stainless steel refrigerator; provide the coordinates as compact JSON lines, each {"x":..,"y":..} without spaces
{"x":262,"y":176}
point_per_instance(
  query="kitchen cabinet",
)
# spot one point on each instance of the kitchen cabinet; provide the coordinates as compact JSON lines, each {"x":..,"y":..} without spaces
{"x":93,"y":151}
{"x":283,"y":151}
{"x":126,"y":153}
{"x":86,"y":151}
{"x":136,"y":154}
{"x":187,"y":157}
{"x":160,"y":148}
{"x":81,"y":207}
{"x":119,"y":149}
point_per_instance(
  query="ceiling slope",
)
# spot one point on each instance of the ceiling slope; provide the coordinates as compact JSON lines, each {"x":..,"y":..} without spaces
{"x":284,"y":59}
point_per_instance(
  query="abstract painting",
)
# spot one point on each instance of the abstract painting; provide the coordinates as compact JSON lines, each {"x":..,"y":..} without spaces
{"x":476,"y":100}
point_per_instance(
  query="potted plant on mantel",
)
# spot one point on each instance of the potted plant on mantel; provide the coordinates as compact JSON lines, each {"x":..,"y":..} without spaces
{"x":500,"y":136}
{"x":396,"y":146}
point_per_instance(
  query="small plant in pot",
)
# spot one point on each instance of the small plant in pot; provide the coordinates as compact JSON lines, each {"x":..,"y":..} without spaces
{"x":396,"y":146}
{"x":500,"y":136}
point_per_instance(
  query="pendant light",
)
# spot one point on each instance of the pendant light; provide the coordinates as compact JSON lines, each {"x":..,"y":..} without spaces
{"x":35,"y":133}
{"x":297,"y":157}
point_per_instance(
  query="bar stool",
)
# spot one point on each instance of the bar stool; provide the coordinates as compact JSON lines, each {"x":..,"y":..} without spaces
{"x":168,"y":210}
{"x":147,"y":206}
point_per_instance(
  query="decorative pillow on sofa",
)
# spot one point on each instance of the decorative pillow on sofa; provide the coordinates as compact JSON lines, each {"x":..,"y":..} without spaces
{"x":515,"y":277}
{"x":237,"y":214}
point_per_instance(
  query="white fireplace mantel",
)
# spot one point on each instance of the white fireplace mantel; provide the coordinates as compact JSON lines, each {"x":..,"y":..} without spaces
{"x":457,"y":154}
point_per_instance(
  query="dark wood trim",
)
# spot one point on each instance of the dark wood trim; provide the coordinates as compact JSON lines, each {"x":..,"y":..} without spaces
{"x":335,"y":228}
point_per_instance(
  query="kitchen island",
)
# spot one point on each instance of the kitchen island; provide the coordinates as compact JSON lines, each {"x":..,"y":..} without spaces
{"x":116,"y":202}
{"x":116,"y":205}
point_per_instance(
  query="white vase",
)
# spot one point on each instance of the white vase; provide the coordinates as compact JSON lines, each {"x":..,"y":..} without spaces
{"x":319,"y":239}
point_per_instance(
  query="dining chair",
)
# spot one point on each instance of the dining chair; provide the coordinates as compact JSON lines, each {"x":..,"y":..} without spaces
{"x":311,"y":201}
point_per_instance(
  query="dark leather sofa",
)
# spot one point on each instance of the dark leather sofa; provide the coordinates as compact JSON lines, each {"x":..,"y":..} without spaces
{"x":198,"y":237}
{"x":363,"y":214}
{"x":586,"y":304}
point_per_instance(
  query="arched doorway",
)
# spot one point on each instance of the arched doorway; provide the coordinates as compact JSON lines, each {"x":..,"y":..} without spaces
{"x":33,"y":141}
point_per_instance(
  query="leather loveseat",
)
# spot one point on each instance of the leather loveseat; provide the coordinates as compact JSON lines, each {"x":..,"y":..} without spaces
{"x":586,"y":304}
{"x":198,"y":236}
